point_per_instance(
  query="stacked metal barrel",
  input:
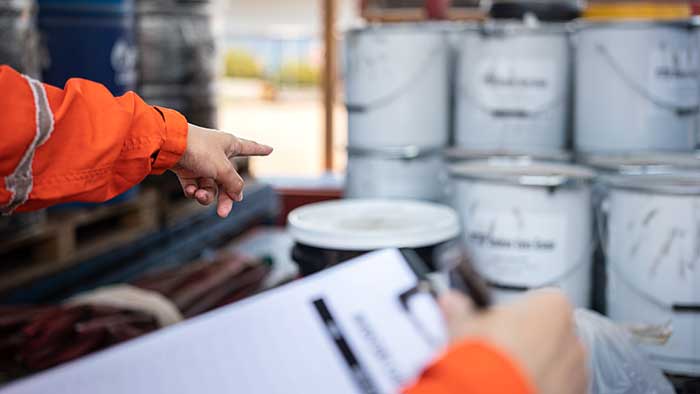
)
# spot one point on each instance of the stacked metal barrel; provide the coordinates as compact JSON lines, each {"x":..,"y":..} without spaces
{"x":397,"y":92}
{"x":176,"y":58}
{"x":88,"y":39}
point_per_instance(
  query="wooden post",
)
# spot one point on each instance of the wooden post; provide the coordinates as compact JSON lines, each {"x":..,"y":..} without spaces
{"x":329,"y":82}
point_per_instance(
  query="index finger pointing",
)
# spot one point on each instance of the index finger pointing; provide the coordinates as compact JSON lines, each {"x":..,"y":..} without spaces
{"x":243,"y":147}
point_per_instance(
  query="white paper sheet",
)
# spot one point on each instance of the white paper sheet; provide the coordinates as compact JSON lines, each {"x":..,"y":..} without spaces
{"x":276,"y":342}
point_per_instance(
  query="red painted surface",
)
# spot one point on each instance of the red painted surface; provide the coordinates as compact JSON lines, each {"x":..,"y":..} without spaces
{"x":294,"y":198}
{"x":437,"y":9}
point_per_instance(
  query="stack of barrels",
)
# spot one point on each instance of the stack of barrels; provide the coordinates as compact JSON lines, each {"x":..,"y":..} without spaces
{"x":176,"y":58}
{"x":573,"y":152}
{"x":397,"y":93}
{"x":637,"y":122}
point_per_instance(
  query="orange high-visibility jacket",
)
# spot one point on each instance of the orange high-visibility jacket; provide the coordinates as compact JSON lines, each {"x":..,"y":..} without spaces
{"x":82,"y":144}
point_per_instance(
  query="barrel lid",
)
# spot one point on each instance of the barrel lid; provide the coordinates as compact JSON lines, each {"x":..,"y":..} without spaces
{"x":525,"y":174}
{"x":401,"y":152}
{"x":432,"y":27}
{"x":643,"y":163}
{"x":632,"y":24}
{"x":517,"y":27}
{"x":682,"y":183}
{"x":363,"y":225}
{"x":166,"y":8}
{"x":456,"y":154}
{"x":637,"y":10}
{"x":544,"y":10}
{"x":105,"y":5}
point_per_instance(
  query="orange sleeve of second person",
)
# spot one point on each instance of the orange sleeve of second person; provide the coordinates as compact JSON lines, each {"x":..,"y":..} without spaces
{"x":472,"y":367}
{"x":79,"y":143}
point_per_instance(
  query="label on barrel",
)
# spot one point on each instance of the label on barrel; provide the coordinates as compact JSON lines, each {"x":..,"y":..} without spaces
{"x":674,"y":74}
{"x":527,"y":85}
{"x":518,"y":248}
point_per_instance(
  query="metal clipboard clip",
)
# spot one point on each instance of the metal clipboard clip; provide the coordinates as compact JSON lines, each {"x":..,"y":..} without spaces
{"x":453,"y":260}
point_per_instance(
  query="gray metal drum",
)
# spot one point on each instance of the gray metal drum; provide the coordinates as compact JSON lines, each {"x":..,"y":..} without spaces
{"x":407,"y":173}
{"x":527,"y":225}
{"x":513,"y":87}
{"x":176,"y":43}
{"x":638,"y":164}
{"x":651,"y":229}
{"x":196,"y":102}
{"x":19,"y":38}
{"x":637,"y":87}
{"x":396,"y":83}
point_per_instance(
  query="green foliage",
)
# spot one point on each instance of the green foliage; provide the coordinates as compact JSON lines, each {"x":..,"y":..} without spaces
{"x":298,"y":73}
{"x":241,"y":64}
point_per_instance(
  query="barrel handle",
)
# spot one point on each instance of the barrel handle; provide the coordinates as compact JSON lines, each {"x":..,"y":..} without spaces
{"x":601,"y":208}
{"x":390,"y":97}
{"x":674,"y":307}
{"x":641,"y":90}
{"x":448,"y":184}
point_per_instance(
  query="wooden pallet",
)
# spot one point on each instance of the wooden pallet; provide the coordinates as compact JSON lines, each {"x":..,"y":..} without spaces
{"x":73,"y":236}
{"x":175,"y":211}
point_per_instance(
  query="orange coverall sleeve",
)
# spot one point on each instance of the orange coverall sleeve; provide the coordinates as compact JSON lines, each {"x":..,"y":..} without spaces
{"x":79,"y":143}
{"x":472,"y":367}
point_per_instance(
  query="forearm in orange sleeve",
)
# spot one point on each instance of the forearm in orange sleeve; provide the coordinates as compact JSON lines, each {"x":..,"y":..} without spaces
{"x":79,"y":143}
{"x":472,"y":367}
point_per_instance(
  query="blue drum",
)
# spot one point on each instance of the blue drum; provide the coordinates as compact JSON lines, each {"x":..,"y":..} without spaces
{"x":92,"y":39}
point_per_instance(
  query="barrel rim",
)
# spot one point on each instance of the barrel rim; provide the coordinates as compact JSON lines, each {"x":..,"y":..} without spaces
{"x":524,"y":173}
{"x":647,"y":183}
{"x":583,"y":25}
{"x":333,"y":235}
{"x":51,"y":9}
{"x":198,"y":9}
{"x":432,"y":27}
{"x":495,"y":27}
{"x":641,"y":163}
{"x":456,"y":154}
{"x":399,"y":153}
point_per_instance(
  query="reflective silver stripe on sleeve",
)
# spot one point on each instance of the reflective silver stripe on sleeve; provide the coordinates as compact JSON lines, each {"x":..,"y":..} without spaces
{"x":21,"y":181}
